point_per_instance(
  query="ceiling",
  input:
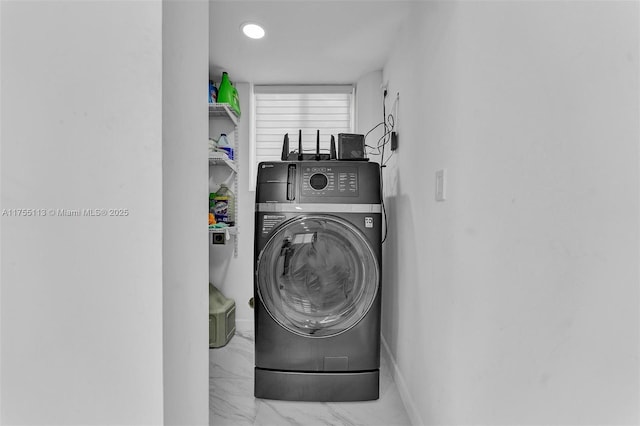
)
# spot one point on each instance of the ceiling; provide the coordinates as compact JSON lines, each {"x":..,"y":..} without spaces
{"x":306,"y":42}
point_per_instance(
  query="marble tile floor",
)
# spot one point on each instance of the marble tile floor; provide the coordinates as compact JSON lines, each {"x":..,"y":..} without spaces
{"x":231,"y":400}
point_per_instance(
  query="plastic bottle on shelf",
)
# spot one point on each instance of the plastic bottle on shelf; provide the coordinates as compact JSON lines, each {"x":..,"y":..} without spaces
{"x":212,"y":206}
{"x":224,"y":145}
{"x":213,"y":92}
{"x":225,"y":205}
{"x":228,"y":94}
{"x":212,"y":202}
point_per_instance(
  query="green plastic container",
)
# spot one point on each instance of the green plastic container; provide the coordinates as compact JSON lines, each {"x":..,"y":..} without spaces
{"x":227,"y":94}
{"x":222,"y":318}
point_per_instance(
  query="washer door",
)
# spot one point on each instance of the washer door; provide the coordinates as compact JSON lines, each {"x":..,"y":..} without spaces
{"x":317,"y":276}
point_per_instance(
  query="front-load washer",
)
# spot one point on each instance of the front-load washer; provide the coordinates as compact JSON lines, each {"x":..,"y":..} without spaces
{"x":317,"y":280}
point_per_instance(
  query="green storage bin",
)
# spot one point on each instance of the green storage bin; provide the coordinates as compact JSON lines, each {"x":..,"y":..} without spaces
{"x":222,"y":318}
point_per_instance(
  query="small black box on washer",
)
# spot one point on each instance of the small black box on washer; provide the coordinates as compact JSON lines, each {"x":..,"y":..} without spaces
{"x":218,"y":238}
{"x":350,"y":146}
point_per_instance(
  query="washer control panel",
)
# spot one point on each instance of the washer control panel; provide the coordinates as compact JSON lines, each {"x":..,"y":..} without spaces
{"x":330,"y":181}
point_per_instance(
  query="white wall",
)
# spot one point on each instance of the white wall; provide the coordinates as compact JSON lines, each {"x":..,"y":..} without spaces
{"x":515,"y":301}
{"x":82,"y":297}
{"x":369,"y":110}
{"x":233,"y":276}
{"x":185,"y":56}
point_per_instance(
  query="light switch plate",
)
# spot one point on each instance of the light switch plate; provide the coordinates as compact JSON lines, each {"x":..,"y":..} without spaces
{"x":441,"y":187}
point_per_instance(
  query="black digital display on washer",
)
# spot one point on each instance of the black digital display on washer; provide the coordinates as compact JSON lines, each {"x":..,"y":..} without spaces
{"x":330,"y":181}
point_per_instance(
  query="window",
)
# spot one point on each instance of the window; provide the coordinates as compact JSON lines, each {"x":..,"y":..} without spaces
{"x":287,"y":109}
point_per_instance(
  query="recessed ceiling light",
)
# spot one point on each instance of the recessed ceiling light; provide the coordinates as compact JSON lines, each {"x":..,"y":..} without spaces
{"x":252,"y":30}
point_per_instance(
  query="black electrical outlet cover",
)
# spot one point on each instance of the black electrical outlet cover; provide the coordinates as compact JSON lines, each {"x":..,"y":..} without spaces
{"x":218,"y":238}
{"x":394,"y":141}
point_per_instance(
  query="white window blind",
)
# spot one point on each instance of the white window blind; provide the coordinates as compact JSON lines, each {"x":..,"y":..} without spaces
{"x":288,"y":109}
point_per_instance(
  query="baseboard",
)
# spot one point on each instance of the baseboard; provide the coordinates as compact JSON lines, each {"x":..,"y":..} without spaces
{"x":405,"y":395}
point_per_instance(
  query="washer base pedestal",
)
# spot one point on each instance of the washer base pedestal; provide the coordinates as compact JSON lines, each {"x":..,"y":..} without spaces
{"x":323,"y":387}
